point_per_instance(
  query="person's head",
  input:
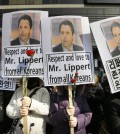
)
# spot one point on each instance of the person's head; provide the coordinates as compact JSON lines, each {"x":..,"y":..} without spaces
{"x":34,"y":82}
{"x":115,"y":29}
{"x":63,"y":90}
{"x":66,"y":31}
{"x":24,"y":28}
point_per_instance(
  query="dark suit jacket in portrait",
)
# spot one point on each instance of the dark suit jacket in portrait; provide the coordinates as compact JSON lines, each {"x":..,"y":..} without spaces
{"x":59,"y":48}
{"x":115,"y":52}
{"x":17,"y":41}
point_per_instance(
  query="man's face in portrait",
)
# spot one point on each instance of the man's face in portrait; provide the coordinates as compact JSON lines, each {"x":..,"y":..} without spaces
{"x":24,"y":30}
{"x":66,"y":36}
{"x":116,"y":35}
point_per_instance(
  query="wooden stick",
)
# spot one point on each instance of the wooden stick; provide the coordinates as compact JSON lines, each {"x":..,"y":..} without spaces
{"x":70,"y":104}
{"x":25,"y":121}
{"x":25,"y":126}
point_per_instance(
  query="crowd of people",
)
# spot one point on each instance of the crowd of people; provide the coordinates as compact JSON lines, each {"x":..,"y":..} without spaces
{"x":48,"y":110}
{"x":95,"y":110}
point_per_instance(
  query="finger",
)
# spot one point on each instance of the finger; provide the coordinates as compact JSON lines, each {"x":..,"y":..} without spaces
{"x":24,"y":112}
{"x":71,"y":107}
{"x":71,"y":124}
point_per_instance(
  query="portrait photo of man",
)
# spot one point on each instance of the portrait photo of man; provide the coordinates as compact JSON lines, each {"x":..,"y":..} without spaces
{"x":115,"y":29}
{"x":111,"y":31}
{"x":25,"y":31}
{"x":66,"y":36}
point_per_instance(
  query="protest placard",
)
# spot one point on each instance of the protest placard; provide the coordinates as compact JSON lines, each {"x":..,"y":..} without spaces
{"x":68,"y":50}
{"x":107,"y":35}
{"x":22,"y":31}
{"x":17,"y":63}
{"x":61,"y":68}
{"x":7,"y":83}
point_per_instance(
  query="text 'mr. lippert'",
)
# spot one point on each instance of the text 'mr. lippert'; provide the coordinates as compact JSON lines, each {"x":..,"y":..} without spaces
{"x":30,"y":60}
{"x":71,"y":68}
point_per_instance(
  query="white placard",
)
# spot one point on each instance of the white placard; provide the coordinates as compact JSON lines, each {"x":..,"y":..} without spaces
{"x":7,"y":83}
{"x":60,"y":67}
{"x":107,"y":45}
{"x":14,"y":59}
{"x":17,"y":63}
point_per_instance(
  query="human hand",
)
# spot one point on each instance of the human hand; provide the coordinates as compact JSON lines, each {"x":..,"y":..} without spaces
{"x":26,"y":101}
{"x":70,"y":110}
{"x":73,"y":122}
{"x":24,"y":111}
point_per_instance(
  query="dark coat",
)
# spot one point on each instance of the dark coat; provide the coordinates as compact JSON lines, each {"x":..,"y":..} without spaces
{"x":112,"y":113}
{"x":115,"y":52}
{"x":60,"y":120}
{"x":59,"y":48}
{"x":17,"y":42}
{"x":95,"y":97}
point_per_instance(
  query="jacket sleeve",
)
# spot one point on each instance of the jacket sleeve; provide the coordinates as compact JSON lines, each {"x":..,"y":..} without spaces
{"x":112,"y":116}
{"x":12,"y":109}
{"x":84,"y":118}
{"x":40,"y":104}
{"x":56,"y":115}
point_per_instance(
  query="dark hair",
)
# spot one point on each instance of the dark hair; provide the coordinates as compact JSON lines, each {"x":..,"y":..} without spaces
{"x":34,"y":82}
{"x":26,"y":17}
{"x":67,"y":22}
{"x":64,"y":91}
{"x":115,"y":24}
